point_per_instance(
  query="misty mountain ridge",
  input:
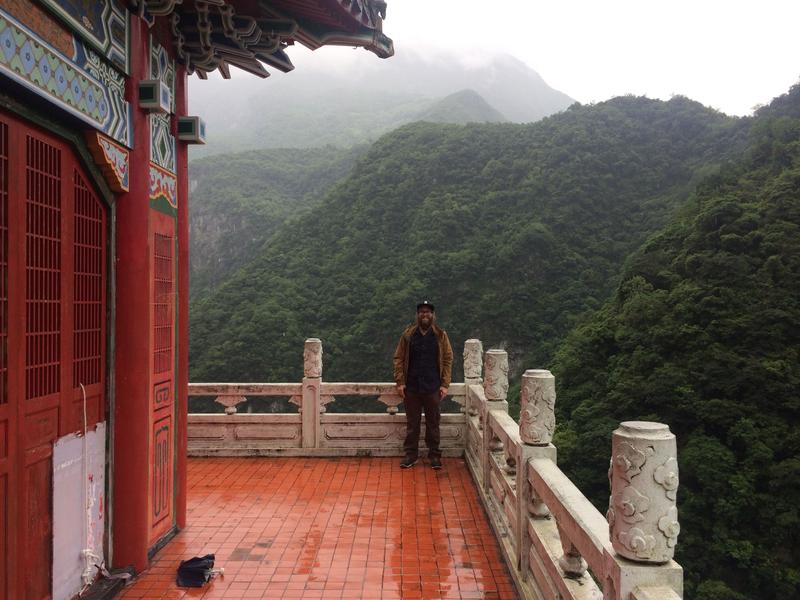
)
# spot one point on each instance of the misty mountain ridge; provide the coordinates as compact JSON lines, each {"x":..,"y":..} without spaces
{"x":315,"y":106}
{"x":466,"y":106}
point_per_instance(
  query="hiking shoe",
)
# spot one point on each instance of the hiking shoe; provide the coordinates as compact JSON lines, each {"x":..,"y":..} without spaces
{"x":408,"y":462}
{"x":436,"y":463}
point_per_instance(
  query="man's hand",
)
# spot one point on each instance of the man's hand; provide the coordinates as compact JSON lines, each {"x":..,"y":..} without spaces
{"x":442,"y":393}
{"x":401,"y":390}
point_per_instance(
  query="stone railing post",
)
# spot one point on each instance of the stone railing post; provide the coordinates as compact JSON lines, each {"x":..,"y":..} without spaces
{"x":537,"y":422}
{"x":495,"y":387}
{"x":312,"y":380}
{"x":642,"y":513}
{"x":473,"y":363}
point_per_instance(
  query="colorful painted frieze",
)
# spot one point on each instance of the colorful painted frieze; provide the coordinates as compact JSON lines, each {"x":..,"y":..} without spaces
{"x":84,"y":89}
{"x":162,"y":142}
{"x":163,"y":185}
{"x":104,"y":25}
{"x":113,"y":160}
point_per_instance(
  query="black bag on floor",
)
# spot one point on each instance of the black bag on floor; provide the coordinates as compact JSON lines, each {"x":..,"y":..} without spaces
{"x":195,"y":572}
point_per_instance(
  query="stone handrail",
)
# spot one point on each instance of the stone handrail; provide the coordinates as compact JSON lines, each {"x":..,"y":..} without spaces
{"x":312,"y":431}
{"x":556,"y":543}
{"x":559,"y":544}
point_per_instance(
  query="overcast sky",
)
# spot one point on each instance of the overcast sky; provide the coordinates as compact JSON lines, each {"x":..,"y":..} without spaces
{"x":730,"y":55}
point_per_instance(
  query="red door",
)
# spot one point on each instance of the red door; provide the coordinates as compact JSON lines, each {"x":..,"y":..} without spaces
{"x":52,"y":331}
{"x":162,"y":405}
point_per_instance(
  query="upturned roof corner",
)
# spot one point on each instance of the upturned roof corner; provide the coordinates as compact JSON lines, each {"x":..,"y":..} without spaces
{"x":217,"y":34}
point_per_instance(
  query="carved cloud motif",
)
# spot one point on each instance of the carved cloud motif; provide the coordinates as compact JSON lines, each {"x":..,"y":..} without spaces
{"x":669,"y":526}
{"x":631,"y":503}
{"x":638,"y":542}
{"x":667,"y":477}
{"x":629,"y":460}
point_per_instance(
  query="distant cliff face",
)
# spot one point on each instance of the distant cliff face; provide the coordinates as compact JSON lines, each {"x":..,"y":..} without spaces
{"x":313,"y":107}
{"x":239,"y":201}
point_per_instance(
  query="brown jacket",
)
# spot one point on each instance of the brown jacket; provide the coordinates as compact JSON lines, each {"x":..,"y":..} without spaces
{"x":403,"y":351}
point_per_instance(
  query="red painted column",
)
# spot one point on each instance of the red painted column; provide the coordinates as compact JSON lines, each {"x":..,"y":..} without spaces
{"x":132,"y":337}
{"x":182,"y":376}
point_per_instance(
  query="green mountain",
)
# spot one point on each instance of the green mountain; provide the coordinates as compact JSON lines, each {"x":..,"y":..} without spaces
{"x":320,"y":105}
{"x":513,"y":230}
{"x":703,"y":333}
{"x":240,"y":200}
{"x":466,"y":106}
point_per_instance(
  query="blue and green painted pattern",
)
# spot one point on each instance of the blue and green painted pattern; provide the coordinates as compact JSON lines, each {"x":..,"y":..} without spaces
{"x":162,"y":142}
{"x":104,"y":24}
{"x":30,"y":61}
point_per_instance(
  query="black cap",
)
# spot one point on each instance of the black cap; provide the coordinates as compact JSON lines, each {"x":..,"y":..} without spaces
{"x":426,"y":303}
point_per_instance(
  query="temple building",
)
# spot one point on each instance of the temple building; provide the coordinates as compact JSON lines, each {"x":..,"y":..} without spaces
{"x":93,"y":260}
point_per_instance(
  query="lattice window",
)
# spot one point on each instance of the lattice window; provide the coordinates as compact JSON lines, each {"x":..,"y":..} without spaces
{"x":88,"y":314}
{"x":3,"y":263}
{"x":42,"y":269}
{"x":163,"y":301}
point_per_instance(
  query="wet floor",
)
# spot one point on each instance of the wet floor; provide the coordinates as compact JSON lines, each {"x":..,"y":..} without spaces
{"x":332,"y":528}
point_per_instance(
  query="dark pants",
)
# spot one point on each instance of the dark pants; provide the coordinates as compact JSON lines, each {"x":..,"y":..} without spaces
{"x":415,"y":403}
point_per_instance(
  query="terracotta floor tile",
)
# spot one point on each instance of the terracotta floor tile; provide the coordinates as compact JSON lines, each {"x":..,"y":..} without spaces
{"x":347,"y":528}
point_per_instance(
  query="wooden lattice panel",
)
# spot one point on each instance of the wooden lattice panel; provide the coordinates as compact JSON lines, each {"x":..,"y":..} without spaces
{"x":42,"y":269}
{"x":163,"y":303}
{"x":88,"y":285}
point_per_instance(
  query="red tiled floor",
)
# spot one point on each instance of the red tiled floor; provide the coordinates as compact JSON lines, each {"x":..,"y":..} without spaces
{"x":320,"y":528}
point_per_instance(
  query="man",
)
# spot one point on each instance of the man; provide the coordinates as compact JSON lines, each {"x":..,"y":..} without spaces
{"x":422,"y":366}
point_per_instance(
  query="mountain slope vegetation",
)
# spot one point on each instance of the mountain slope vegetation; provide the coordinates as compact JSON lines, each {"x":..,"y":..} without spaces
{"x":465,"y":106}
{"x":703,"y":333}
{"x":512,"y":230}
{"x":240,"y":200}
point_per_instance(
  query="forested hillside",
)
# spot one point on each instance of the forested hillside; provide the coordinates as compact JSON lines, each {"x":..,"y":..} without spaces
{"x":703,"y":333}
{"x":513,"y":230}
{"x":240,"y":200}
{"x":465,"y":106}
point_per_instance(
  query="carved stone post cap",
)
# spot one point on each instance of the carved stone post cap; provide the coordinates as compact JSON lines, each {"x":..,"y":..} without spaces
{"x":537,"y":418}
{"x":537,"y":373}
{"x":473,"y":349}
{"x":646,"y":429}
{"x":495,"y":373}
{"x":312,"y":358}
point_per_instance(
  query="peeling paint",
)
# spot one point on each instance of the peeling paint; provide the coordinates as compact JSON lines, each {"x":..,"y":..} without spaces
{"x":70,"y":509}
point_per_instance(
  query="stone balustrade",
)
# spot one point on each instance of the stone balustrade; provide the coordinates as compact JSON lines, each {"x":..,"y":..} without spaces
{"x":556,"y":543}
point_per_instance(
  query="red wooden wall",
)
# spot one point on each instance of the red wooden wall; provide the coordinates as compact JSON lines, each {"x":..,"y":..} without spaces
{"x":52,"y":337}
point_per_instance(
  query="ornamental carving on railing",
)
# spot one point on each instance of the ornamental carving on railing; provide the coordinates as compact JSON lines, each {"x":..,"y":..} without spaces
{"x":536,"y":506}
{"x":667,"y":477}
{"x":642,"y":516}
{"x":473,"y":353}
{"x":392,"y":401}
{"x":312,"y":358}
{"x":230,"y":402}
{"x":495,"y":371}
{"x":323,"y":403}
{"x":537,"y":407}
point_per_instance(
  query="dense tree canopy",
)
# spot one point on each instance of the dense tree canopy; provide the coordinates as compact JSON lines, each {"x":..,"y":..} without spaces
{"x":513,"y":230}
{"x":703,"y":333}
{"x":240,"y":200}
